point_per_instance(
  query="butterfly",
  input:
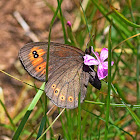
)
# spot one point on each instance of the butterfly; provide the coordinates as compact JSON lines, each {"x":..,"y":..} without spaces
{"x":67,"y":74}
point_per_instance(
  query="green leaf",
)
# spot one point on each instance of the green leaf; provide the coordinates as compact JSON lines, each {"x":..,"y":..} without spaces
{"x":135,"y":117}
{"x":43,"y":121}
{"x":29,"y":110}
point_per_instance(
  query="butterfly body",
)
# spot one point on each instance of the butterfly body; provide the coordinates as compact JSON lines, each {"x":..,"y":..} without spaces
{"x":67,"y":75}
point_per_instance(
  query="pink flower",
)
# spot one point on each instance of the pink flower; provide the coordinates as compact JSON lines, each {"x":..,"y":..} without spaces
{"x":69,"y":23}
{"x":102,"y":71}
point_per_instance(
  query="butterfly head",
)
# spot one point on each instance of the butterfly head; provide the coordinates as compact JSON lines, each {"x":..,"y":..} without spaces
{"x":88,"y":50}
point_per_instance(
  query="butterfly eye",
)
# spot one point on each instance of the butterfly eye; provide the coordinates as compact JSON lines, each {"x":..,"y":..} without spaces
{"x":62,"y":97}
{"x":70,"y":99}
{"x":56,"y":91}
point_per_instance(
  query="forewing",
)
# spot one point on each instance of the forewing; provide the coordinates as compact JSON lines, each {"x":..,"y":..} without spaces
{"x":60,"y":54}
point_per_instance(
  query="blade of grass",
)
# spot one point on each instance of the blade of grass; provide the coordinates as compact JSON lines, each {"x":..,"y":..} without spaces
{"x":43,"y":121}
{"x":79,"y":17}
{"x":47,"y":64}
{"x":109,"y":85}
{"x":138,"y":75}
{"x":79,"y":117}
{"x":27,"y":114}
{"x":5,"y":126}
{"x":136,"y":35}
{"x":68,"y":124}
{"x":49,"y":38}
{"x":51,"y":7}
{"x":10,"y":119}
{"x":71,"y":124}
{"x":51,"y":124}
{"x":124,"y":19}
{"x":33,"y":134}
{"x":63,"y":127}
{"x":138,"y":56}
{"x":117,"y":21}
{"x":112,"y":104}
{"x":109,"y":122}
{"x":120,"y":93}
{"x":134,"y":116}
{"x":114,"y":25}
{"x":90,"y":36}
{"x":62,"y":22}
{"x":138,"y":61}
{"x":45,"y":116}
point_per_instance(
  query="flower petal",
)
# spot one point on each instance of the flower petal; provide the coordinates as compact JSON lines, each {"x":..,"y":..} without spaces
{"x":101,"y":72}
{"x":104,"y":54}
{"x":96,"y":54}
{"x":105,"y":64}
{"x":89,"y":60}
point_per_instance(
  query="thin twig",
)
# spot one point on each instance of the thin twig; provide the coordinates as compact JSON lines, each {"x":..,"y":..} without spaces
{"x":25,"y":26}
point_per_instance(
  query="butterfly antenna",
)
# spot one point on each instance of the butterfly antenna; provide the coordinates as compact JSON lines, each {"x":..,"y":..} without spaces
{"x":89,"y":40}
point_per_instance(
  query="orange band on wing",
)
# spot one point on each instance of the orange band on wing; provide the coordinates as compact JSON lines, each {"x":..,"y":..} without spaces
{"x":41,"y":52}
{"x":41,"y":67}
{"x":43,"y":72}
{"x":37,"y":61}
{"x":31,"y":52}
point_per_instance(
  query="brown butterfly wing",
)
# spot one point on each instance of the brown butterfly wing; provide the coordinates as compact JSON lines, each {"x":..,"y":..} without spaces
{"x":33,"y":57}
{"x":34,"y":63}
{"x":64,"y":86}
{"x":66,"y":75}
